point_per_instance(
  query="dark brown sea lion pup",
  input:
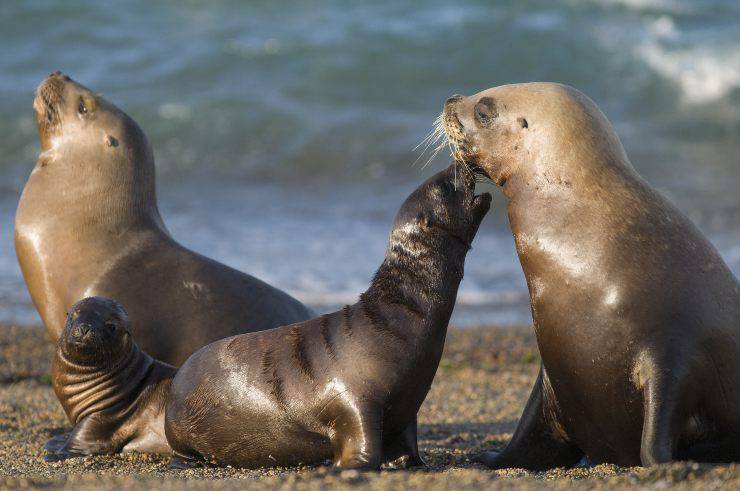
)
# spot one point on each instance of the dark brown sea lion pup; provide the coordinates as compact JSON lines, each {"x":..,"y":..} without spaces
{"x":637,"y":316}
{"x":88,"y":224}
{"x":345,"y":386}
{"x":113,"y":393}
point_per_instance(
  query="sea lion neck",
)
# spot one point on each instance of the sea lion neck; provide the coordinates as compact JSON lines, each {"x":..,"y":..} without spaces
{"x":89,"y":206}
{"x":102,"y":188}
{"x":553,"y":245}
{"x":92,"y":387}
{"x":102,"y":225}
{"x":419,"y":276}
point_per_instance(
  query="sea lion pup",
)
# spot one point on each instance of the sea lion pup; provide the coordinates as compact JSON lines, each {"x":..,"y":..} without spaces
{"x":87,"y":224}
{"x":347,"y":385}
{"x":637,"y":317}
{"x":110,"y":390}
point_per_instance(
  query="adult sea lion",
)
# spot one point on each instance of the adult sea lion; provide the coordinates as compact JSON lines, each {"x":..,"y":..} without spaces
{"x":87,"y":224}
{"x":345,"y":386}
{"x":637,"y":317}
{"x":111,"y":391}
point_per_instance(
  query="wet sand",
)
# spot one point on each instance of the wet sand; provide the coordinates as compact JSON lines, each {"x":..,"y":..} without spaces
{"x":478,"y":394}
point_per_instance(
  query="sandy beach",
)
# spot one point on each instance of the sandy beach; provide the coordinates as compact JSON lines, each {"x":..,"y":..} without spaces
{"x":478,"y":394}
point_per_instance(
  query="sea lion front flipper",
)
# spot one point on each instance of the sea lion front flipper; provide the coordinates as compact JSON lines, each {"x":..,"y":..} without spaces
{"x":535,"y":444}
{"x":405,"y":445}
{"x":87,"y":438}
{"x":358,"y":437}
{"x":664,"y":413}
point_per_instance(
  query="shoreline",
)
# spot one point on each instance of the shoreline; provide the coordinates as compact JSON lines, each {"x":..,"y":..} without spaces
{"x":480,"y":389}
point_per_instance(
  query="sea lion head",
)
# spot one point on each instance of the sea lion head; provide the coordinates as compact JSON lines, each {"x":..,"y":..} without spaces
{"x":446,"y":203}
{"x":543,"y":127}
{"x":97,"y":331}
{"x":83,"y":134}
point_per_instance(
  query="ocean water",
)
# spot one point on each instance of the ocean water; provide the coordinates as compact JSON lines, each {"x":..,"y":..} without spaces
{"x":284,"y":132}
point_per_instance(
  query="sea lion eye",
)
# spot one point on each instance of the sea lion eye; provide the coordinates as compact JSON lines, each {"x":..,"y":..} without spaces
{"x":81,"y":107}
{"x":485,"y":111}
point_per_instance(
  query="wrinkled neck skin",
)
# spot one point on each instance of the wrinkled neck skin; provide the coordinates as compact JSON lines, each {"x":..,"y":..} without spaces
{"x":418,"y":283}
{"x":84,"y":389}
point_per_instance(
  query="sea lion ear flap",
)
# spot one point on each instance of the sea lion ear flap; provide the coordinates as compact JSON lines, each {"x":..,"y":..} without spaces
{"x":121,"y":312}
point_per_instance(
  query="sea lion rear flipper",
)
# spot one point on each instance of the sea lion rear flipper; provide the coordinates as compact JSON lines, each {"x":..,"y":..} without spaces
{"x":535,"y":444}
{"x":405,"y":445}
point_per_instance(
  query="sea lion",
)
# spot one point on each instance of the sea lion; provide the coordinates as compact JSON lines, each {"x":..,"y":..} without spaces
{"x":112,"y":392}
{"x":345,"y":386}
{"x":637,"y":316}
{"x":87,"y":224}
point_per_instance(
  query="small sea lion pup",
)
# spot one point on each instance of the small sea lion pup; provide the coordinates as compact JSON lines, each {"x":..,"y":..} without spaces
{"x":637,"y":317}
{"x":87,"y":224}
{"x":113,"y":393}
{"x":345,"y":386}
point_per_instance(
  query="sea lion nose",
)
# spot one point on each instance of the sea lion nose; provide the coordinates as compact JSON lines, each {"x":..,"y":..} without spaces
{"x":82,"y":330}
{"x":452,"y":100}
{"x":59,"y":74}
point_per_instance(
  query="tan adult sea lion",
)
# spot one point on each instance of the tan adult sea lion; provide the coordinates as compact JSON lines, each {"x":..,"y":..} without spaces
{"x":637,"y":316}
{"x":113,"y":393}
{"x":87,"y":224}
{"x":346,"y":386}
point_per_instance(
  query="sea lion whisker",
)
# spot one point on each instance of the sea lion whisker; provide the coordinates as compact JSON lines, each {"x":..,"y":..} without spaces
{"x":427,"y":138}
{"x":434,"y":154}
{"x":434,"y":137}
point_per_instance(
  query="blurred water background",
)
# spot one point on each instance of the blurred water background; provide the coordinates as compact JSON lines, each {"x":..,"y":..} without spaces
{"x":284,"y":131}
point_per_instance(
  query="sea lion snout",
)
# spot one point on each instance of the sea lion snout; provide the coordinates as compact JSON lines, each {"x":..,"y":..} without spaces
{"x":449,"y":203}
{"x":50,"y":91}
{"x":102,"y":327}
{"x":450,"y":119}
{"x":59,"y":75}
{"x":47,"y":106}
{"x":90,"y":328}
{"x":80,"y":331}
{"x":454,"y":128}
{"x":462,"y":180}
{"x":58,"y":97}
{"x":452,"y":100}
